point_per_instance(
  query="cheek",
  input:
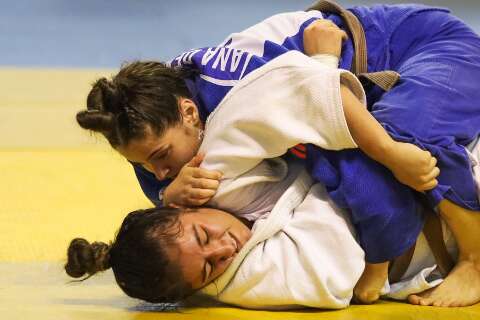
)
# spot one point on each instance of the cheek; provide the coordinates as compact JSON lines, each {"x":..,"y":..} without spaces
{"x":189,"y":148}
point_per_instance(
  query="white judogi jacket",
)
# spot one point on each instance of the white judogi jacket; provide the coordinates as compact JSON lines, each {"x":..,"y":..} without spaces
{"x":304,"y":252}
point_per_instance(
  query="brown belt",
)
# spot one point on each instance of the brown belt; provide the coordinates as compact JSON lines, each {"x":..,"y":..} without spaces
{"x":384,"y":79}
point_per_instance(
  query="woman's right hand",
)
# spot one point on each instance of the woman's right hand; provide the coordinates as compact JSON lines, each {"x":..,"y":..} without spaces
{"x":193,"y":186}
{"x":323,"y":37}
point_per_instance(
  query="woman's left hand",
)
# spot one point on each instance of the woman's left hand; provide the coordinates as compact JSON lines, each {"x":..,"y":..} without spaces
{"x":323,"y":37}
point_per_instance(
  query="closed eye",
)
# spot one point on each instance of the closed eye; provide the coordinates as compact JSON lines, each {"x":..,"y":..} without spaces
{"x":161,"y":155}
{"x":207,"y":266}
{"x":207,"y":237}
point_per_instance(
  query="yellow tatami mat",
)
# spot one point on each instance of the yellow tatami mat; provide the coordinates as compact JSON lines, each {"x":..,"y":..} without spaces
{"x":57,"y":184}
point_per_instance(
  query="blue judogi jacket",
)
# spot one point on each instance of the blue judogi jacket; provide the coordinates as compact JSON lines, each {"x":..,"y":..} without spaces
{"x":434,"y":106}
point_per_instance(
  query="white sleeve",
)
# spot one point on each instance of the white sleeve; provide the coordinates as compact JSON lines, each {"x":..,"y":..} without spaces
{"x":276,"y":110}
{"x":327,"y":59}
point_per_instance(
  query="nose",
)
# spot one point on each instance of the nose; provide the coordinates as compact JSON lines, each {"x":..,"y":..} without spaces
{"x":219,"y":251}
{"x":160,"y":172}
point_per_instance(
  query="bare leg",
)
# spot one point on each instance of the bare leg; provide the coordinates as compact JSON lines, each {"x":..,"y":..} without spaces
{"x":462,"y":286}
{"x":367,"y":289}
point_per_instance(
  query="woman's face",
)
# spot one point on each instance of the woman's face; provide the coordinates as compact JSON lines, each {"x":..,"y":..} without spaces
{"x":209,"y":241}
{"x":164,"y":155}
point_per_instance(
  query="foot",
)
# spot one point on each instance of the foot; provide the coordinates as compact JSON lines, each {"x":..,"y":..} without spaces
{"x":367,"y":290}
{"x":460,"y":288}
{"x":365,"y":297}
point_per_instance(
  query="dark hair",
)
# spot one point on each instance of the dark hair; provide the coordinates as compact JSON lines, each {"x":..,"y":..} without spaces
{"x":137,"y":258}
{"x":143,"y":93}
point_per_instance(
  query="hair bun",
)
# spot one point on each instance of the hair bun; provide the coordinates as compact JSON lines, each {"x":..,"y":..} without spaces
{"x":96,"y":120}
{"x":85,"y":258}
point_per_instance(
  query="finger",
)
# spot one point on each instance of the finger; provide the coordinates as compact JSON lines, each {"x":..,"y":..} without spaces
{"x":327,"y":22}
{"x":428,"y":186}
{"x":431,"y":175}
{"x":321,"y":24}
{"x":176,"y":206}
{"x":433,"y":163}
{"x":202,"y":183}
{"x":207,"y":174}
{"x":196,"y":160}
{"x":196,"y":193}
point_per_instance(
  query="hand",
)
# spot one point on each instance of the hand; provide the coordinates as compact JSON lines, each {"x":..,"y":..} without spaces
{"x":323,"y":37}
{"x":193,"y":186}
{"x":413,"y":166}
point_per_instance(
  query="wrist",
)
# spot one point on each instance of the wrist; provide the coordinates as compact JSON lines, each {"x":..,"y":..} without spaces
{"x":384,"y":151}
{"x":380,"y":150}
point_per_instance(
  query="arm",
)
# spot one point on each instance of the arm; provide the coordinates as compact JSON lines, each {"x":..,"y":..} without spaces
{"x":410,"y":165}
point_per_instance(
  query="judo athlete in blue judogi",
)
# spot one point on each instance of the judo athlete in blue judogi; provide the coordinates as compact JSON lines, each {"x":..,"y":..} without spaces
{"x":436,"y":106}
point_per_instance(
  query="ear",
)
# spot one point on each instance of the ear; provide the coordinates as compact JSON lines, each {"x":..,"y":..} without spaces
{"x":189,"y":111}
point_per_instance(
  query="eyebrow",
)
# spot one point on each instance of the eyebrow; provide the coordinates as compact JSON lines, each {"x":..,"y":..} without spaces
{"x":204,"y":269}
{"x":161,"y":149}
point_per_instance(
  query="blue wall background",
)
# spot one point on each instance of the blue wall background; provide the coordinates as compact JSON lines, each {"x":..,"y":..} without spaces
{"x":104,"y":33}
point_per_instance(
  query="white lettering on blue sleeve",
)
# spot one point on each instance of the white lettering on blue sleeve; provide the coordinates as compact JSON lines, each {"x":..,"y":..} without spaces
{"x":187,"y":58}
{"x":209,"y":55}
{"x":247,"y":60}
{"x":219,"y":82}
{"x":222,"y":57}
{"x":236,"y":57}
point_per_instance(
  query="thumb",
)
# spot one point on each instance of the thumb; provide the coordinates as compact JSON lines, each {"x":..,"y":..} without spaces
{"x":196,"y":160}
{"x":176,"y":206}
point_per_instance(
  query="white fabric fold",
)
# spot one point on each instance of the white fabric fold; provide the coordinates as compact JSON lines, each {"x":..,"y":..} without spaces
{"x":402,"y":289}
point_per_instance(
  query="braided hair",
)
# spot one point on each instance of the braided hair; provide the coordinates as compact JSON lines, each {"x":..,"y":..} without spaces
{"x":143,"y":93}
{"x":137,"y":256}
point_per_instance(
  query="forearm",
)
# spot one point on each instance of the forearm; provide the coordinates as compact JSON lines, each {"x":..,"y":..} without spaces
{"x":367,"y":133}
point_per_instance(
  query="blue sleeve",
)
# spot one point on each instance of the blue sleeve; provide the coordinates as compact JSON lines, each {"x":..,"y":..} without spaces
{"x":220,"y":68}
{"x":150,"y":185}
